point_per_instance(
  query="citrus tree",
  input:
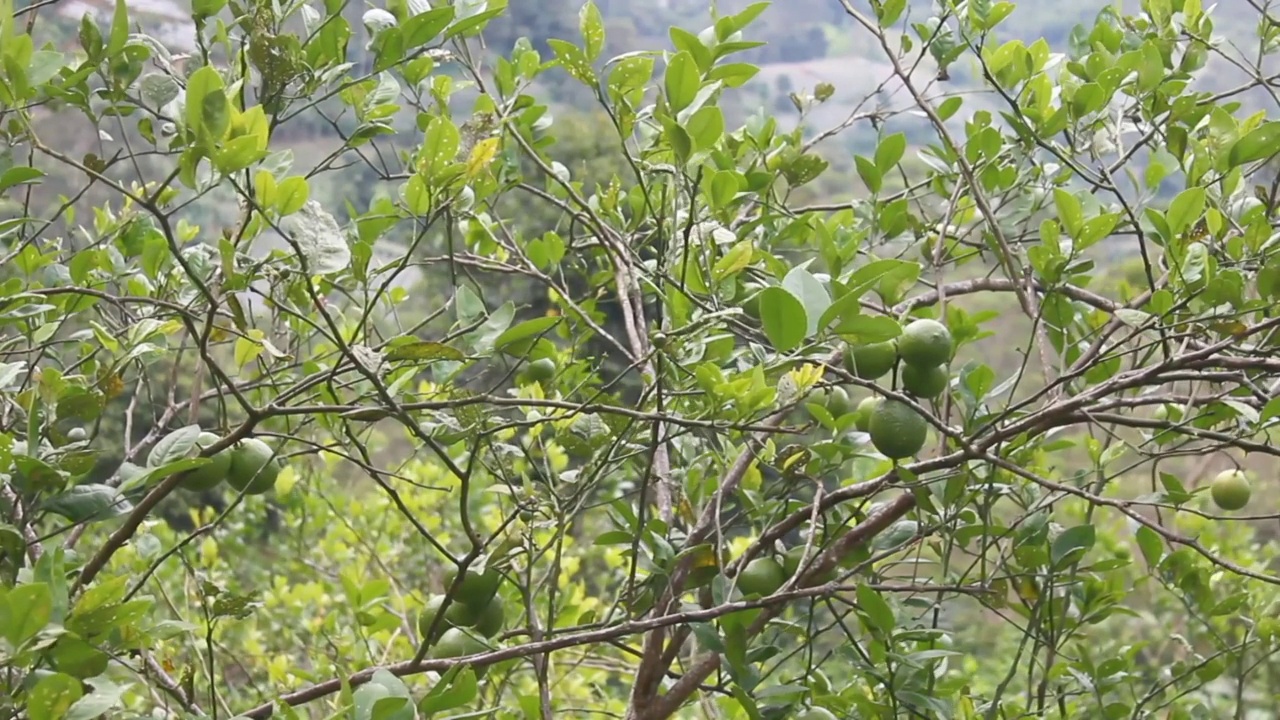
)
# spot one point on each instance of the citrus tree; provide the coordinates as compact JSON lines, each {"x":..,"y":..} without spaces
{"x":447,"y":421}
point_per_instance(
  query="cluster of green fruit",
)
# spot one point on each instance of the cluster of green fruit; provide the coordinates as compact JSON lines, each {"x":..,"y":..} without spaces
{"x":925,"y":349}
{"x":476,"y":612}
{"x":249,"y":466}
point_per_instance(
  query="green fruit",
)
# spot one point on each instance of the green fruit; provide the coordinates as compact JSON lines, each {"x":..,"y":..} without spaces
{"x":925,"y":343}
{"x":253,"y":468}
{"x":428,"y":616}
{"x":838,"y":401}
{"x":463,"y":614}
{"x":366,"y":697}
{"x":897,"y":430}
{"x":816,"y":714}
{"x":457,"y":643}
{"x":76,"y":434}
{"x":862,"y":415}
{"x":791,"y":563}
{"x":870,"y":362}
{"x":210,"y":475}
{"x":541,"y":370}
{"x":476,"y":589}
{"x":925,"y":382}
{"x":762,"y":576}
{"x":1230,"y":490}
{"x":492,"y":618}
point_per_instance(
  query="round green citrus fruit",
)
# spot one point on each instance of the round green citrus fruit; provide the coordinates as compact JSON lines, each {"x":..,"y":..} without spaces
{"x":463,"y":614}
{"x":541,"y":370}
{"x":863,"y":416}
{"x":492,"y":618}
{"x":76,"y":434}
{"x":926,"y":343}
{"x":210,"y":475}
{"x":925,"y":382}
{"x":872,"y":361}
{"x":897,"y":430}
{"x":253,"y":468}
{"x":476,"y":589}
{"x":428,"y":616}
{"x":838,"y":401}
{"x":457,"y":643}
{"x":1230,"y":490}
{"x":762,"y":576}
{"x":791,"y":563}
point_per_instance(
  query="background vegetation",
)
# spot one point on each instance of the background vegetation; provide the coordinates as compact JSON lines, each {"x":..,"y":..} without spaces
{"x":545,"y":306}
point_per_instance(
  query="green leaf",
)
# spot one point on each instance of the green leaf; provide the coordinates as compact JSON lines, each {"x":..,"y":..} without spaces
{"x":574,"y":61}
{"x":1151,"y":545}
{"x":705,"y":127}
{"x":26,"y":610}
{"x":105,"y":697}
{"x":1072,"y":544}
{"x":890,"y":151}
{"x":54,"y":695}
{"x":870,"y":175}
{"x":423,"y":350}
{"x":424,"y":27}
{"x":456,"y":688}
{"x":591,"y":24}
{"x":174,"y":446}
{"x":682,"y":81}
{"x":783,"y":317}
{"x":1096,"y":229}
{"x":862,"y":329}
{"x":802,"y":284}
{"x":875,"y":611}
{"x":1261,"y":143}
{"x":291,"y":194}
{"x":734,"y":261}
{"x":207,"y":111}
{"x":1069,"y":211}
{"x":89,"y":503}
{"x":119,"y":29}
{"x":1185,"y":210}
{"x":518,"y":339}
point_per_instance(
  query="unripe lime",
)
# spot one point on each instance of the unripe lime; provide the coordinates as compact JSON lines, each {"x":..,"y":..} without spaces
{"x":838,"y":401}
{"x":253,"y":468}
{"x":1230,"y":490}
{"x":762,"y":576}
{"x":926,"y":343}
{"x":925,"y":382}
{"x":458,"y":643}
{"x":476,"y":589}
{"x":872,"y":361}
{"x":863,"y":413}
{"x":541,"y":370}
{"x":492,"y":618}
{"x":217,"y":470}
{"x":428,"y":616}
{"x":791,"y":563}
{"x":76,"y":434}
{"x":897,"y":430}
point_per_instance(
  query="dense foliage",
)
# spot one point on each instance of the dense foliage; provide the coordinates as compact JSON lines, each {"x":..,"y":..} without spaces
{"x":342,"y":377}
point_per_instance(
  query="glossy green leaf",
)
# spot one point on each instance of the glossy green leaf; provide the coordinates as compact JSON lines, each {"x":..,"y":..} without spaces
{"x":682,"y":81}
{"x":1260,"y":143}
{"x":783,"y":317}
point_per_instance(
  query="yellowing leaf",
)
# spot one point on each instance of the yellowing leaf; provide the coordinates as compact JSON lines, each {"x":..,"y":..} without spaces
{"x":481,"y":155}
